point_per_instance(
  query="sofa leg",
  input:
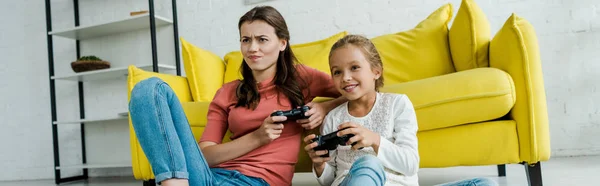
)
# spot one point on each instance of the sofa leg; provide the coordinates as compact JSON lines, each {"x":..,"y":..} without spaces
{"x":149,"y":183}
{"x":534,"y":174}
{"x":502,"y":170}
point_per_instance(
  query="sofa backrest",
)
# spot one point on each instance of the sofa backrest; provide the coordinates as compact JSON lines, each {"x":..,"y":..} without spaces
{"x":429,"y":49}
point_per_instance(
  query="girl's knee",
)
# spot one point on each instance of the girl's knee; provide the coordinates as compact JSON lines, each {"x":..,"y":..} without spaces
{"x":484,"y":182}
{"x":369,"y":161}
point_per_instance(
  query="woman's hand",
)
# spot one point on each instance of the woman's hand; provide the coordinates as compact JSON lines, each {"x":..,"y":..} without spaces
{"x":270,"y":129}
{"x":317,"y":113}
{"x":315,"y":156}
{"x":362,"y":136}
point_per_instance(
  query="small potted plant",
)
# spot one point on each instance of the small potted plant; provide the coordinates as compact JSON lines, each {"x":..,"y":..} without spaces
{"x":87,"y":63}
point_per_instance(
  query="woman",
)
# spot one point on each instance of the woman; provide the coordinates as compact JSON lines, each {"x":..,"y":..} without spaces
{"x":264,"y":149}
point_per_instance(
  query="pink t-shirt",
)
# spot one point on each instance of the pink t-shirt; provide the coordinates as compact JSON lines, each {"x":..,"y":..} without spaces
{"x":273,"y":162}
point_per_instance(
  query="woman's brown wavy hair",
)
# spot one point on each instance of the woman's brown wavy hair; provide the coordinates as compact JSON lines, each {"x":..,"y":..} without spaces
{"x":286,"y":77}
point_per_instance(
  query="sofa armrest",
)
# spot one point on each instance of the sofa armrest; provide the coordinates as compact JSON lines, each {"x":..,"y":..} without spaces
{"x":468,"y":96}
{"x":515,"y":50}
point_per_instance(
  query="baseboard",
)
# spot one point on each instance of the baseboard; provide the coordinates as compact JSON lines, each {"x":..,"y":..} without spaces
{"x":575,"y":152}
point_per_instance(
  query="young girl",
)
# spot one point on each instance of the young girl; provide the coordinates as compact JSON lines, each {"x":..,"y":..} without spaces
{"x":262,"y":151}
{"x":384,"y":148}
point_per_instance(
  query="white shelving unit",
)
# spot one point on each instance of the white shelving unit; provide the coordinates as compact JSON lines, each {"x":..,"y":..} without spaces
{"x":148,"y":21}
{"x":91,"y":120}
{"x":109,"y":28}
{"x":92,"y":166}
{"x":108,"y":73}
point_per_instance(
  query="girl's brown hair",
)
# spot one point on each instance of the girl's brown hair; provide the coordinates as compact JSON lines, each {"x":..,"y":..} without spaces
{"x":369,"y":51}
{"x":286,"y":77}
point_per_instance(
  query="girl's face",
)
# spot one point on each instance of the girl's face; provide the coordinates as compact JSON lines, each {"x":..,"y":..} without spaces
{"x":352,"y":73}
{"x":260,"y":46}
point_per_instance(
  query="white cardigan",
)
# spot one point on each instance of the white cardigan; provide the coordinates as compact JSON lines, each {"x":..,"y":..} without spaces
{"x":393,"y":118}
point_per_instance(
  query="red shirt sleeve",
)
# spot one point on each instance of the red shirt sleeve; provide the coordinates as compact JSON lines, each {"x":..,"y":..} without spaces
{"x":320,"y":84}
{"x":218,"y":114}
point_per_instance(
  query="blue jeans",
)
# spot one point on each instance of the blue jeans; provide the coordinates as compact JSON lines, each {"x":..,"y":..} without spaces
{"x":167,"y":140}
{"x":366,"y":170}
{"x":472,"y":182}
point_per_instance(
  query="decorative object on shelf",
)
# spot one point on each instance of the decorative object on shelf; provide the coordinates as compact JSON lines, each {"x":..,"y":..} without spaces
{"x":138,"y":12}
{"x":87,"y":63}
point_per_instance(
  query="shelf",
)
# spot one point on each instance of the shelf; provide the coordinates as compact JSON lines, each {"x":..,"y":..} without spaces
{"x":94,"y":166}
{"x":129,"y":24}
{"x":90,"y":120}
{"x":108,"y":73}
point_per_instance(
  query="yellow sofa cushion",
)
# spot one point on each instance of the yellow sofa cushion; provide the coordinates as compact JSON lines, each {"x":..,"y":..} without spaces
{"x":468,"y":96}
{"x":313,"y":54}
{"x":418,"y":53}
{"x":469,"y":37}
{"x":515,"y":50}
{"x":141,"y":168}
{"x":204,"y":71}
{"x":487,"y":143}
{"x":196,"y":112}
{"x":232,"y":69}
{"x":316,"y":54}
{"x":177,"y":83}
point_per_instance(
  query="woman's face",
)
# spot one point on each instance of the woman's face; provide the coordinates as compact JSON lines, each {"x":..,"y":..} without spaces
{"x":260,"y":45}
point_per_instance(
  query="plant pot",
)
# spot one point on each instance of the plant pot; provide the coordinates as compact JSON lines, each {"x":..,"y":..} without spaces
{"x":83,"y":66}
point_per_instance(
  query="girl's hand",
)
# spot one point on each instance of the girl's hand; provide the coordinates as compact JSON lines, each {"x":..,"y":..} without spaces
{"x":362,"y":136}
{"x":315,"y":156}
{"x":317,"y":113}
{"x":270,"y":129}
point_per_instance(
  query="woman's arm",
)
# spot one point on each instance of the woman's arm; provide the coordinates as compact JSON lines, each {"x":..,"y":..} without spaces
{"x":218,"y":114}
{"x":401,"y":155}
{"x":320,"y":84}
{"x":218,"y":153}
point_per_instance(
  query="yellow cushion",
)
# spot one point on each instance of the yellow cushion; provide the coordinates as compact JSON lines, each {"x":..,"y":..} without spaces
{"x":488,"y":143}
{"x":515,"y":50}
{"x":196,"y":113}
{"x":204,"y":71}
{"x":468,"y":96}
{"x":177,"y":83}
{"x":418,"y":53}
{"x":314,"y":54}
{"x":141,"y":168}
{"x":232,"y":69}
{"x":469,"y":37}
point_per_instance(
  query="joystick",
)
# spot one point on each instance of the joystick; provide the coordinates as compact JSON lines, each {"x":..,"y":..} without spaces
{"x":294,"y":114}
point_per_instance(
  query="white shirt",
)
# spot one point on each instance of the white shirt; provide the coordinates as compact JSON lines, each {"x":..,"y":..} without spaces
{"x":393,"y":118}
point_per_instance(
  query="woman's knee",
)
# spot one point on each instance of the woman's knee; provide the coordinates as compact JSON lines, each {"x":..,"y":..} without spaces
{"x":145,"y":88}
{"x":147,"y":84}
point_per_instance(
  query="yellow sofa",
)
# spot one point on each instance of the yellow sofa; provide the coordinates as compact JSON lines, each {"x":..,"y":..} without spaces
{"x":478,"y":100}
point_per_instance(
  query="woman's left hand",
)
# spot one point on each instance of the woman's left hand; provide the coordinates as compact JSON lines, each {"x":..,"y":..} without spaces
{"x":317,"y":112}
{"x":362,"y":136}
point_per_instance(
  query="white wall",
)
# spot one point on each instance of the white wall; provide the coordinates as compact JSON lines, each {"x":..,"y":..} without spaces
{"x":567,"y":32}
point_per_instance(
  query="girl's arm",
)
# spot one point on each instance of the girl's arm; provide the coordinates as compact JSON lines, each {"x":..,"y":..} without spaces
{"x":401,"y":155}
{"x":325,"y":172}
